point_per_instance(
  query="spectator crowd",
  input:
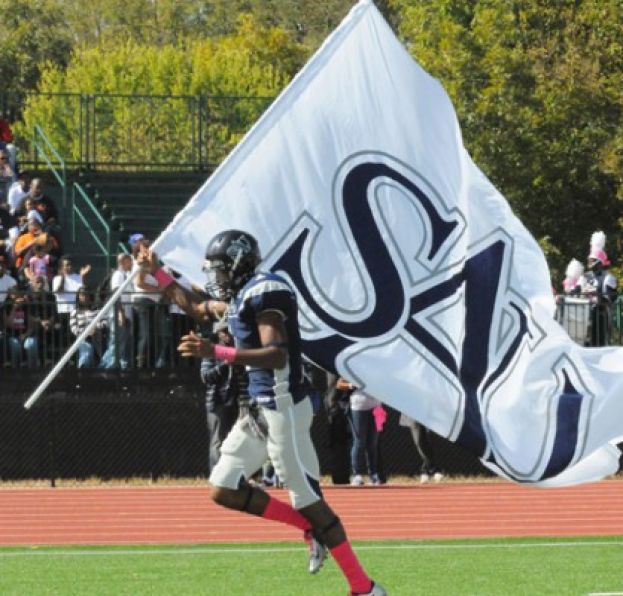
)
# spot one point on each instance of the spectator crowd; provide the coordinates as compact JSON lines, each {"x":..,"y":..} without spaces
{"x":45,"y":304}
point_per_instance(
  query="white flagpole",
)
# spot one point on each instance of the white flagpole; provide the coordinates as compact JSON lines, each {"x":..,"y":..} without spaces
{"x":70,"y":352}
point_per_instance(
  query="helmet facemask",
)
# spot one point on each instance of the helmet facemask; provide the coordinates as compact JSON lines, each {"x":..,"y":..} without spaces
{"x":219,"y":279}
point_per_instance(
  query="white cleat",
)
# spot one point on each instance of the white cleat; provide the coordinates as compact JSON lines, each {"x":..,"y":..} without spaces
{"x":438,"y":477}
{"x":375,"y":591}
{"x":317,"y":552}
{"x":424,"y":478}
{"x":356,"y":480}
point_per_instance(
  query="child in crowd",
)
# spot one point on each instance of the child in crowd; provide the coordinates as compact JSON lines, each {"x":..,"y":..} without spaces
{"x":40,"y":264}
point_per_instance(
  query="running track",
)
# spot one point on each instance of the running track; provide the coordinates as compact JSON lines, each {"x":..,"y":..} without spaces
{"x":156,"y":515}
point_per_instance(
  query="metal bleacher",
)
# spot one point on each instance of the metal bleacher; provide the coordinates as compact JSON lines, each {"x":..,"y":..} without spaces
{"x":143,"y":202}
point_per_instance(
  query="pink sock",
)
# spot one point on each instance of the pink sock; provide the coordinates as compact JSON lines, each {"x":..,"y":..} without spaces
{"x":282,"y":512}
{"x":350,"y":566}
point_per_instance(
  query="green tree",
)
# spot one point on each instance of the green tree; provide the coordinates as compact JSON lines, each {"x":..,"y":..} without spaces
{"x":537,"y":88}
{"x":131,"y":84}
{"x":33,"y":33}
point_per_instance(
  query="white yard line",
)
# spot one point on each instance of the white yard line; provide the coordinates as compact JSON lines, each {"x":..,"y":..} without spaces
{"x":100,"y":552}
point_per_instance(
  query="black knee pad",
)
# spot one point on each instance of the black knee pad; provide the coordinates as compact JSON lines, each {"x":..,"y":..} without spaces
{"x":332,"y":524}
{"x":247,"y":501}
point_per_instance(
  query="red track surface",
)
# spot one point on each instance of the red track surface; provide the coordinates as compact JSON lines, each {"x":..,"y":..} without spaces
{"x":154,"y":515}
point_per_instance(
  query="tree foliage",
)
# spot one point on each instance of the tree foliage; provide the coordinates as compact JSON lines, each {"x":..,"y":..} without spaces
{"x":32,"y":34}
{"x":249,"y":66}
{"x":537,"y":87}
{"x":536,"y":84}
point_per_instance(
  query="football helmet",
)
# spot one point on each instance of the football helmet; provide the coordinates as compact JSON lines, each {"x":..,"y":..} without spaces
{"x":230,"y":261}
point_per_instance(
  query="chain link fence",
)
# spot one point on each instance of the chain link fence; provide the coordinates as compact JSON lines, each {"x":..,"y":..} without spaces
{"x":142,"y":413}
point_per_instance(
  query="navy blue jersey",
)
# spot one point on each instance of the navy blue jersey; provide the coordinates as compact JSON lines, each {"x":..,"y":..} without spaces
{"x":266,"y":292}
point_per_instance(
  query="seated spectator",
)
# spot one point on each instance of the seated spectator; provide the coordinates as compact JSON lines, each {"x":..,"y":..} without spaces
{"x":43,"y":313}
{"x":19,"y":190}
{"x":21,"y":214}
{"x":65,"y":286}
{"x":21,"y":330}
{"x":79,"y":320}
{"x":46,"y":207}
{"x":6,"y":281}
{"x":24,"y":245}
{"x":6,"y":141}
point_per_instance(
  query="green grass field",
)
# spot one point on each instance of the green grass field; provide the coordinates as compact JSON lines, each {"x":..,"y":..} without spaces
{"x":491,"y":567}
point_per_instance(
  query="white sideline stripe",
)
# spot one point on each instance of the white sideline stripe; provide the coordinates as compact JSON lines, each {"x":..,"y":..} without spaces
{"x":293,"y":549}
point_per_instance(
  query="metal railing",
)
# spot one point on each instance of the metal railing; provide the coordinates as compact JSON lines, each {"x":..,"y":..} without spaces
{"x":44,"y":149}
{"x":142,"y":332}
{"x":139,"y":333}
{"x":83,"y":209}
{"x":591,"y":320}
{"x":122,"y":131}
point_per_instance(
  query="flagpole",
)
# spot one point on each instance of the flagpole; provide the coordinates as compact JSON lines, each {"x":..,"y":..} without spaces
{"x":74,"y":347}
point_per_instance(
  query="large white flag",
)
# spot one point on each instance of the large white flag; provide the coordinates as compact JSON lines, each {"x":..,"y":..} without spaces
{"x":415,"y":280}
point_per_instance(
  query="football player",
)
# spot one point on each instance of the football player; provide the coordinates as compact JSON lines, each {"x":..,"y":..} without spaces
{"x":262,"y":312}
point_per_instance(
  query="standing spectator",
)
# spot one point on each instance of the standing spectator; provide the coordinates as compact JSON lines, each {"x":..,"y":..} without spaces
{"x":6,"y":281}
{"x":65,"y":286}
{"x":79,"y":320}
{"x":146,"y":301}
{"x":601,"y":287}
{"x":7,"y":228}
{"x":365,"y":434}
{"x":180,"y":325}
{"x":226,"y":386}
{"x":6,"y":141}
{"x":421,"y":438}
{"x":7,"y":176}
{"x":43,"y":313}
{"x":19,"y":190}
{"x":120,"y":318}
{"x":21,"y":330}
{"x":337,"y":405}
{"x":574,"y":277}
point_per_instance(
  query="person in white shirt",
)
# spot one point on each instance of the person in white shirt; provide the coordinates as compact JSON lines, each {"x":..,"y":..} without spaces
{"x":148,"y":313}
{"x":6,"y":281}
{"x":120,"y":318}
{"x":18,"y":191}
{"x":365,"y":446}
{"x":65,"y":285}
